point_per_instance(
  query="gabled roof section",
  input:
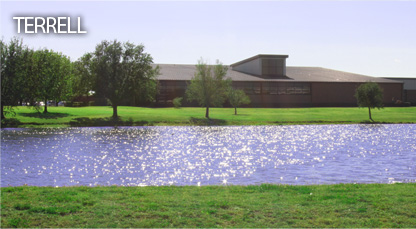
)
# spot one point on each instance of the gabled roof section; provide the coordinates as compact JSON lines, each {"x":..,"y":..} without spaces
{"x":259,"y":57}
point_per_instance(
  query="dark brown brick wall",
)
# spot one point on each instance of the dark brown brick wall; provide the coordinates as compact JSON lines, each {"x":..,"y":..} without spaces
{"x":410,"y":96}
{"x":342,"y":94}
{"x":280,"y":100}
{"x":321,"y":94}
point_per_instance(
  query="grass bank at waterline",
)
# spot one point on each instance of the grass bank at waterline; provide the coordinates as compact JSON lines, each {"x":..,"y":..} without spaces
{"x":139,"y":116}
{"x":343,"y":205}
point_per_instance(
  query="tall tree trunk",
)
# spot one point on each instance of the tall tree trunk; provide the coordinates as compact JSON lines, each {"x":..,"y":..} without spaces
{"x":235,"y":110}
{"x":46,"y":106}
{"x":369,"y":113}
{"x":2,"y":114}
{"x":115,"y":111}
{"x":207,"y":112}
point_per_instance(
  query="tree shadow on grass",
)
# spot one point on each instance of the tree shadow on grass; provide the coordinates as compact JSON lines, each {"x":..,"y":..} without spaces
{"x":10,"y":122}
{"x":207,"y":122}
{"x":311,"y":122}
{"x":374,"y":122}
{"x":79,"y":122}
{"x":49,"y":115}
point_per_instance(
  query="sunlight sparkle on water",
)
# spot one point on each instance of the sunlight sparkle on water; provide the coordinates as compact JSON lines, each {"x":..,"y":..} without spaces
{"x":142,"y":156}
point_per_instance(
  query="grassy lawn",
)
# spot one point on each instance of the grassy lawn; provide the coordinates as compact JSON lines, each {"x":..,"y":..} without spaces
{"x":100,"y":116}
{"x":342,"y":205}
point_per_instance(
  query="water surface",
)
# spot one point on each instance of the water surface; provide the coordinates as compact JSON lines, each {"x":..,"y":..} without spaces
{"x":238,"y":155}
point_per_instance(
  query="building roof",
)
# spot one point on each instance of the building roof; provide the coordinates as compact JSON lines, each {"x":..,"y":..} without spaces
{"x":294,"y":74}
{"x":260,"y":56}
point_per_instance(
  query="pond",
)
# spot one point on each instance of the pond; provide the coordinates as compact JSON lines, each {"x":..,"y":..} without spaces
{"x":195,"y":155}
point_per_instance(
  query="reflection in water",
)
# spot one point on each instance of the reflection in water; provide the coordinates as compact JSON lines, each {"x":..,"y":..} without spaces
{"x":313,"y":154}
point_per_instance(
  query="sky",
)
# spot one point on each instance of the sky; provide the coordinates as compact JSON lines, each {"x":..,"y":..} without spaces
{"x":375,"y":38}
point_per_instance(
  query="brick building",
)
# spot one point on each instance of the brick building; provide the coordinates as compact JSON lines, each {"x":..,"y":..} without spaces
{"x":270,"y":83}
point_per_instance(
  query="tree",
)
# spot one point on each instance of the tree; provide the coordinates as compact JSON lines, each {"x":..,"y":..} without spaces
{"x":369,"y":95}
{"x":53,"y":72}
{"x":13,"y":60}
{"x":83,"y":80}
{"x":237,"y":98}
{"x":208,"y":86}
{"x":4,"y":79}
{"x":28,"y":75}
{"x":28,"y":82}
{"x":123,"y":70}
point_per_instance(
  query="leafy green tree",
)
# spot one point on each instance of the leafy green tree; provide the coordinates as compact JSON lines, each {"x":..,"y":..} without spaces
{"x":53,"y":72}
{"x":28,"y":82}
{"x":123,"y":70}
{"x":237,"y":98}
{"x":208,"y":86}
{"x":369,"y":95}
{"x":4,"y":79}
{"x":12,"y":74}
{"x":28,"y":75}
{"x":83,"y":80}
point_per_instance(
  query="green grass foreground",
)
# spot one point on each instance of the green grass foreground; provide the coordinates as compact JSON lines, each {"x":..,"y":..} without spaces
{"x":342,"y":205}
{"x":140,"y":116}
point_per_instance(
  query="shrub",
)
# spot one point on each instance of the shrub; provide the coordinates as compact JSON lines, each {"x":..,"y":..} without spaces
{"x":177,"y":102}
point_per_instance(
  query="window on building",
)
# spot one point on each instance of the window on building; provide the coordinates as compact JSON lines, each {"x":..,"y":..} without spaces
{"x":281,"y":90}
{"x":306,"y":89}
{"x":273,"y":88}
{"x":285,"y":88}
{"x":248,"y":88}
{"x":256,"y":88}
